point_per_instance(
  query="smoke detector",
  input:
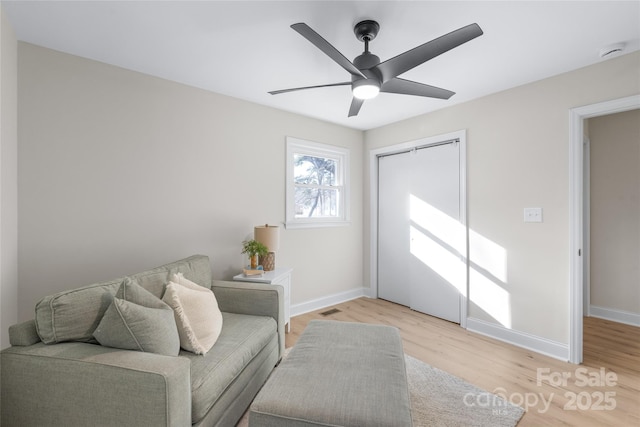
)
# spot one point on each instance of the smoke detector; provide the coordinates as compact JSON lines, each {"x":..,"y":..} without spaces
{"x":611,"y":50}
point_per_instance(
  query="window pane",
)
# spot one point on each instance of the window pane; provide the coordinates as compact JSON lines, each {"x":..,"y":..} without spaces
{"x":317,"y":185}
{"x":316,"y":203}
{"x":314,"y":170}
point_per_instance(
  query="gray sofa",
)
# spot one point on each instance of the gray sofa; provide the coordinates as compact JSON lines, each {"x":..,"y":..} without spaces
{"x":81,"y":383}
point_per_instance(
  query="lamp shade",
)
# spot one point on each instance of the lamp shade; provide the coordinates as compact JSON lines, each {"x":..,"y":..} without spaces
{"x":268,"y":235}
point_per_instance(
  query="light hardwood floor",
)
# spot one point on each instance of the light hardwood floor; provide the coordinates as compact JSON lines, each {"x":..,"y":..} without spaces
{"x":610,"y":350}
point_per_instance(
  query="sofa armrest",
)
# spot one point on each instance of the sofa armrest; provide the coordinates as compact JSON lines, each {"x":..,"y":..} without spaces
{"x":258,"y":299}
{"x":80,"y":384}
{"x":24,"y":333}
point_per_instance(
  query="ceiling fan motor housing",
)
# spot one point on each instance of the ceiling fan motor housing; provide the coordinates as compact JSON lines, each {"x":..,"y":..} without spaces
{"x":365,"y":63}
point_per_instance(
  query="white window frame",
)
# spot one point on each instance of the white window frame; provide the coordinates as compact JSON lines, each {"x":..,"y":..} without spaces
{"x":341,"y":155}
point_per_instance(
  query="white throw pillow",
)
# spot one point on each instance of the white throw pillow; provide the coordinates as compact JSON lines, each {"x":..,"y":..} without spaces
{"x":196,"y":311}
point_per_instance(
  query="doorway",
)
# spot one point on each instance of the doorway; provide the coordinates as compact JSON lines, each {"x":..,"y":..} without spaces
{"x":578,"y":212}
{"x":419,"y":228}
{"x":612,"y":217}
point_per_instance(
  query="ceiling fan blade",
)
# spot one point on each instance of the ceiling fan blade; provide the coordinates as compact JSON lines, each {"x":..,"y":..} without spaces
{"x":277,"y":92}
{"x":408,"y":87}
{"x":356,"y":103}
{"x":412,"y":58}
{"x":333,"y":53}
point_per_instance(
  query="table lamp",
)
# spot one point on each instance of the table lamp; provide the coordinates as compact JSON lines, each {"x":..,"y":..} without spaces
{"x":269,"y":236}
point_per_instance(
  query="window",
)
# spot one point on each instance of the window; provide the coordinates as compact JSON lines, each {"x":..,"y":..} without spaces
{"x":317,"y":184}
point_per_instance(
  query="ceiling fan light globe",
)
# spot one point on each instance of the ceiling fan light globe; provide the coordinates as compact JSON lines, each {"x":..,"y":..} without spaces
{"x":365,"y":89}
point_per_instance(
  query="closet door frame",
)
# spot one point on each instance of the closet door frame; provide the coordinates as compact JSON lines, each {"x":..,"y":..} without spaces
{"x":461,"y":137}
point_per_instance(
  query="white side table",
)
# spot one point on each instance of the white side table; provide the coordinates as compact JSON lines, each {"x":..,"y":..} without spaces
{"x":280,"y":276}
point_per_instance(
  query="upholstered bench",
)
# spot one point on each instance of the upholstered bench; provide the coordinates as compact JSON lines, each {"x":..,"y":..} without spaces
{"x":338,"y":374}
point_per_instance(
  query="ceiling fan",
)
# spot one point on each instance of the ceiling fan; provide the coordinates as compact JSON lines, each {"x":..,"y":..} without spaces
{"x":369,"y":76}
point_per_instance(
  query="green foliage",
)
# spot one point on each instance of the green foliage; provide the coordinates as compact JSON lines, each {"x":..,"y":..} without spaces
{"x":253,"y":247}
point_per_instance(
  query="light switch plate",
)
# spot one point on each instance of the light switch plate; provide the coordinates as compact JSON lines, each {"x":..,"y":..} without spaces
{"x":532,"y":214}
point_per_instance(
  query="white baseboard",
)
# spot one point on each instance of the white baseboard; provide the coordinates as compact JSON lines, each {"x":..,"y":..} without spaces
{"x":521,"y":339}
{"x":323,"y":302}
{"x":370,"y":292}
{"x":619,"y":316}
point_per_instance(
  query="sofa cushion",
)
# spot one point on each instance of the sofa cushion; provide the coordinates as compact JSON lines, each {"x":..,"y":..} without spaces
{"x":140,"y":322}
{"x":196,"y":268}
{"x":73,"y":315}
{"x":242,"y":338}
{"x":196,"y":312}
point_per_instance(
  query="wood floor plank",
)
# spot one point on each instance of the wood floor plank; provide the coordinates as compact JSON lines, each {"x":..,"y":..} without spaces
{"x":609,"y":348}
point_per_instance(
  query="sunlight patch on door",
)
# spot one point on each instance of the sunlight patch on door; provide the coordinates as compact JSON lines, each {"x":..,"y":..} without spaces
{"x":445,"y":254}
{"x":446,"y":264}
{"x":438,"y":223}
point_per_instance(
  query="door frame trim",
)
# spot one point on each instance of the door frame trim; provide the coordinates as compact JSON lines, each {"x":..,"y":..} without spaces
{"x":373,"y":205}
{"x":576,"y":211}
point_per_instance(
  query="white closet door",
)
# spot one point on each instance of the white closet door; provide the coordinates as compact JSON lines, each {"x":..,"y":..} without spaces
{"x":420,"y":236}
{"x":437,"y":272}
{"x":393,"y":230}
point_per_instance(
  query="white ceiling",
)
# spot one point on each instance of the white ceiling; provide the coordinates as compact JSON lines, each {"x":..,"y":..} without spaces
{"x":245,"y":48}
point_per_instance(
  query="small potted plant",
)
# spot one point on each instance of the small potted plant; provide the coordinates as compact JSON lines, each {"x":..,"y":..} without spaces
{"x":254,"y":249}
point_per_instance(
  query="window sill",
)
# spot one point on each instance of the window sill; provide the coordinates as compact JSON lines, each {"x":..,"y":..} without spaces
{"x":315,"y":224}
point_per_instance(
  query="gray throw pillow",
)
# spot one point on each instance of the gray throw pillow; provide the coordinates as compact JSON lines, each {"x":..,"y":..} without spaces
{"x":141,"y":322}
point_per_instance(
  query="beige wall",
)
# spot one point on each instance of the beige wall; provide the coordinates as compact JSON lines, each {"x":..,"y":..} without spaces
{"x":517,"y":157}
{"x":615,"y":211}
{"x":120,"y":172}
{"x":8,"y":180}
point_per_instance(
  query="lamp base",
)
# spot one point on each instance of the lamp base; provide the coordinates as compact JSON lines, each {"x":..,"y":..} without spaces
{"x":268,"y":261}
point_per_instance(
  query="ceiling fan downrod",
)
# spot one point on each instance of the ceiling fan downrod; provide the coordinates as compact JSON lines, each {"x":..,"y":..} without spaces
{"x":366,"y":31}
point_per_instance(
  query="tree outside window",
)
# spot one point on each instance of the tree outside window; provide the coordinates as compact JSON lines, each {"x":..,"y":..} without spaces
{"x":315,"y":192}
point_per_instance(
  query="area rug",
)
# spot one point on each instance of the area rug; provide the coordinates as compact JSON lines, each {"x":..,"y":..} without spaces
{"x":439,"y":399}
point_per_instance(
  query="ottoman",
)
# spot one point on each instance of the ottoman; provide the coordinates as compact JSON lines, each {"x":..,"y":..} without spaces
{"x":338,"y":374}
